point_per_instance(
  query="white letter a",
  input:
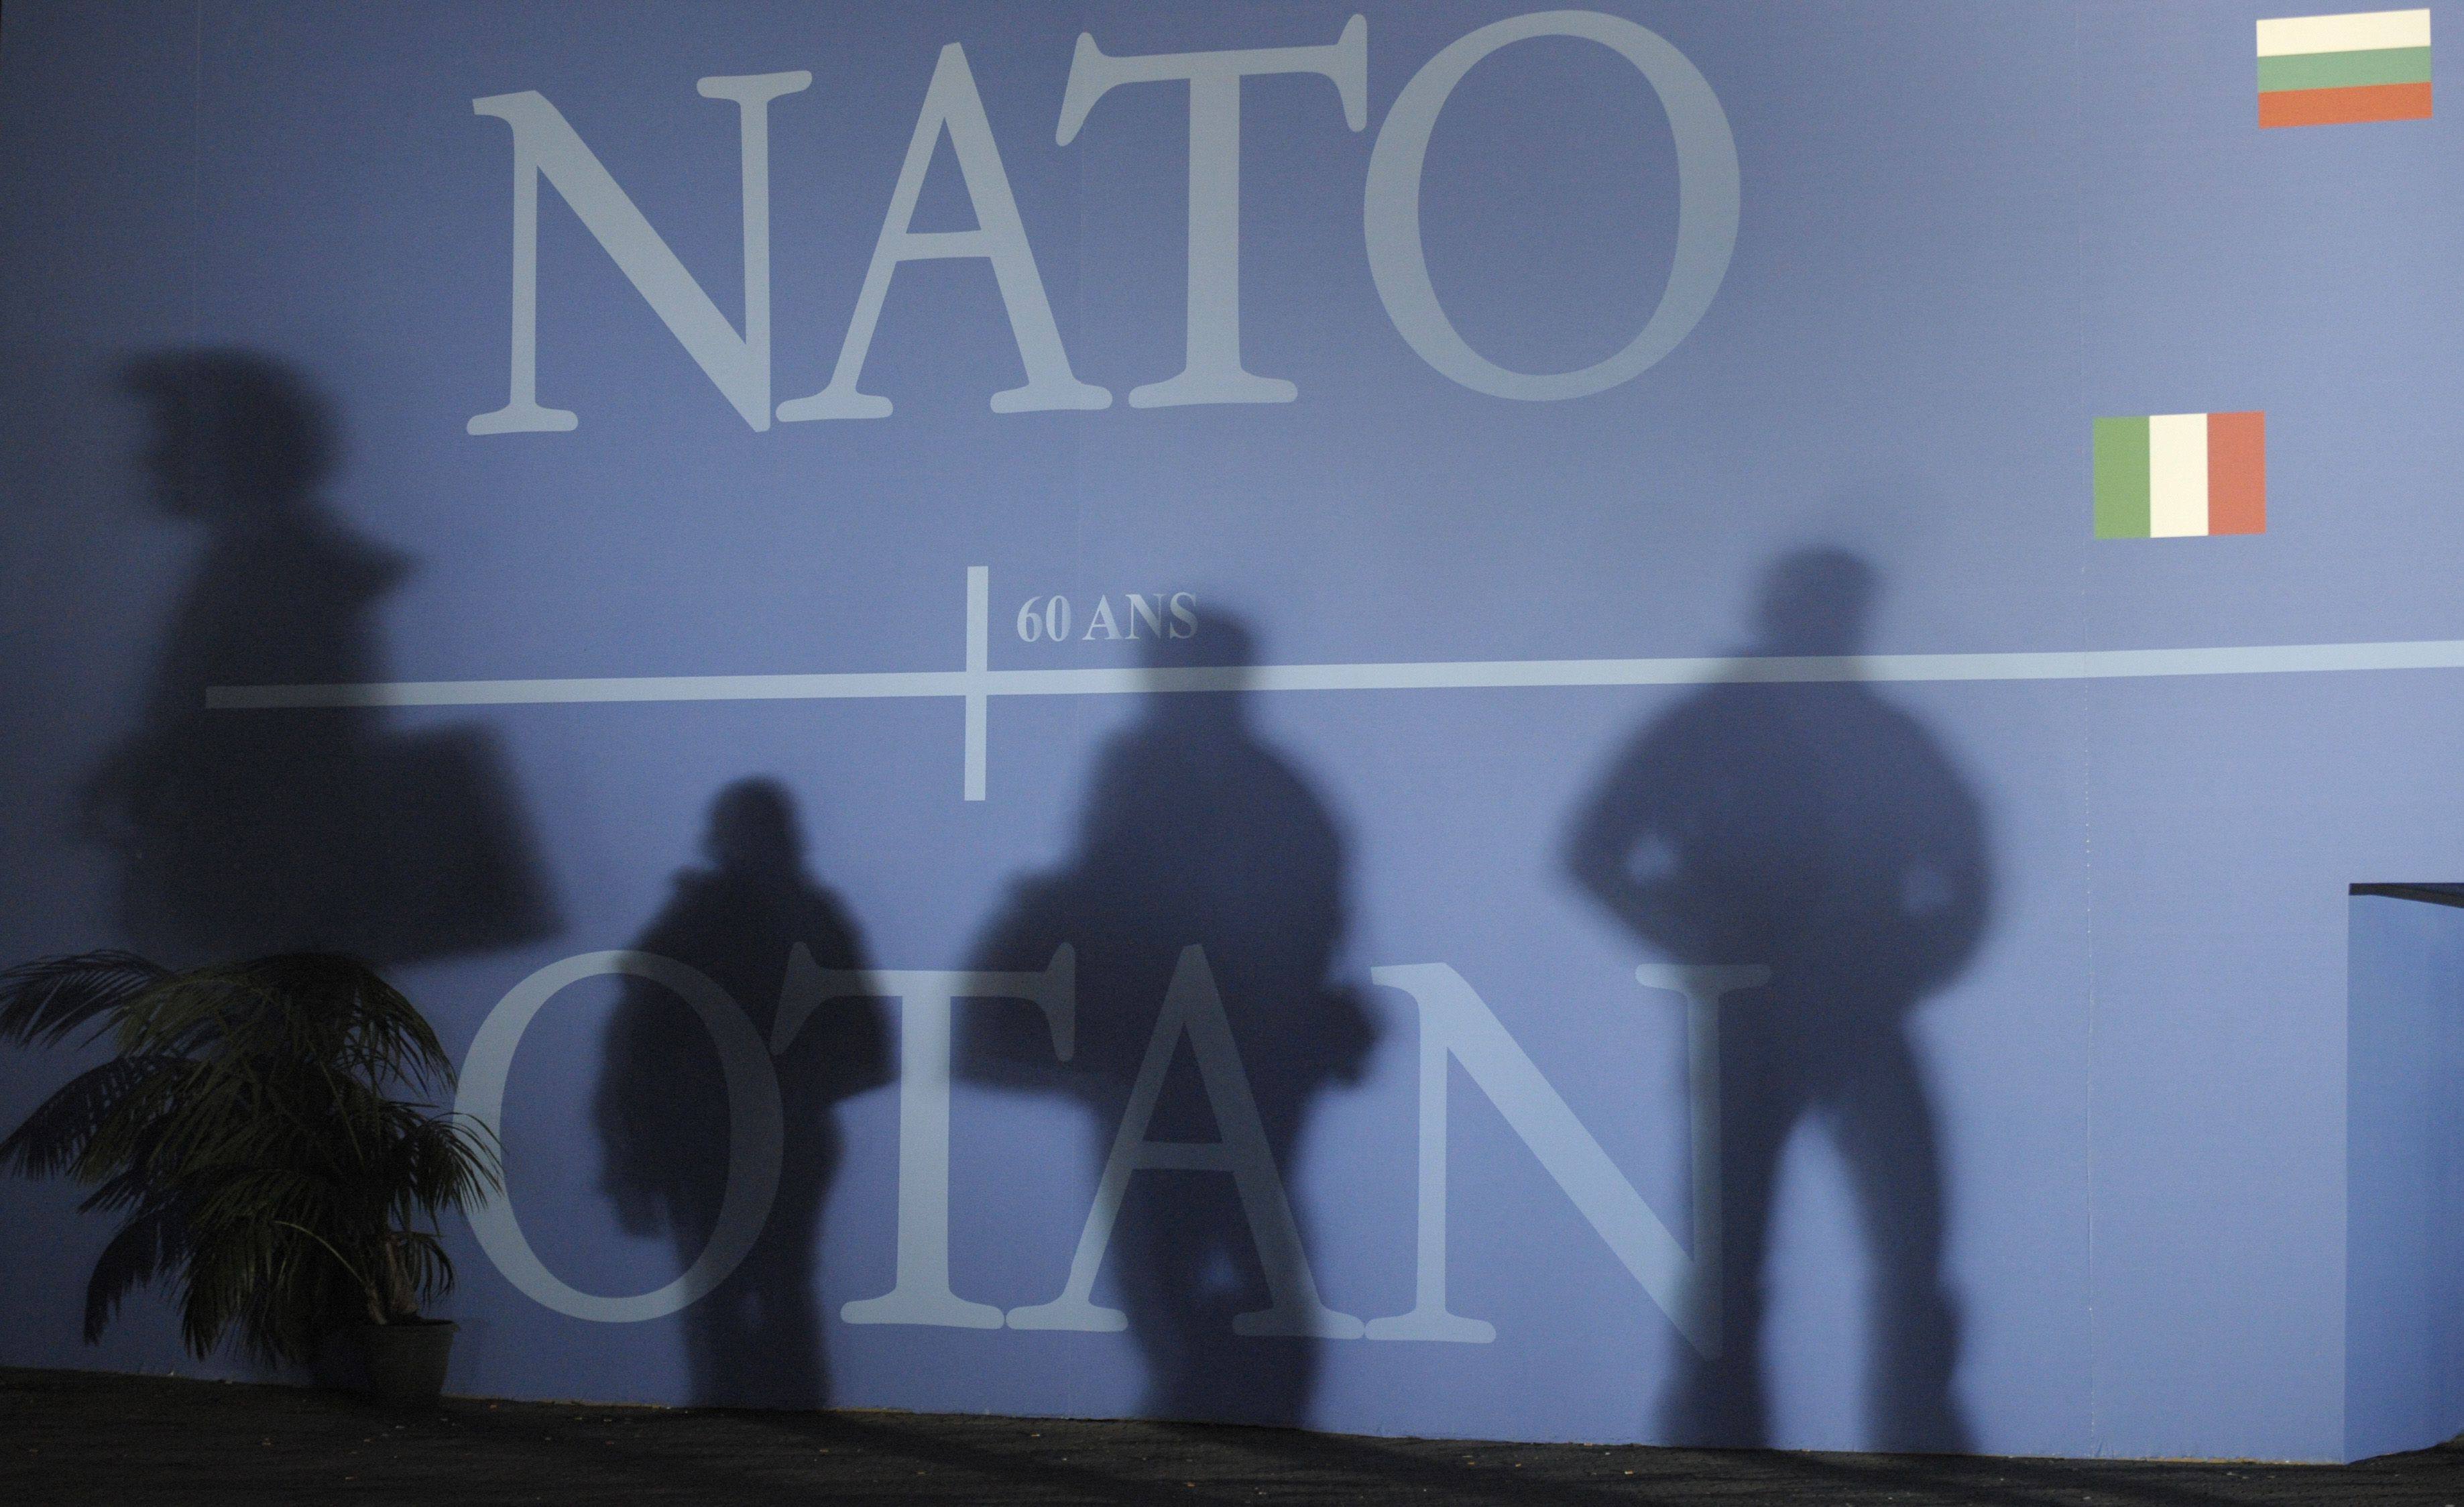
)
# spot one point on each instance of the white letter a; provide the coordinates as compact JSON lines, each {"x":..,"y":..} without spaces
{"x":1193,"y":1006}
{"x":952,"y":104}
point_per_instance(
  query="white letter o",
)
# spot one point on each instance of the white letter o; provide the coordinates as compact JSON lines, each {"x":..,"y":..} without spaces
{"x":1707,"y":196}
{"x":753,"y":1141}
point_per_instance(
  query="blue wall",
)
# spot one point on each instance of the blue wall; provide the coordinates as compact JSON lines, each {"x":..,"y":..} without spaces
{"x":2040,"y":1117}
{"x":2404,"y":1239}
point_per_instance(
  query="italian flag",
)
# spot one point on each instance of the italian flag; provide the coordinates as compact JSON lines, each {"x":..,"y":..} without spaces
{"x":2334,"y":70}
{"x":2176,"y":474}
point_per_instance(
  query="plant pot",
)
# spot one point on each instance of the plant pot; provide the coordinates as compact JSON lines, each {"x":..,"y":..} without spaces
{"x":405,"y":1362}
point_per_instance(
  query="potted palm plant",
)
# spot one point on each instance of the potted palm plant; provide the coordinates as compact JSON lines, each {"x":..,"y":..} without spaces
{"x":267,"y":1134}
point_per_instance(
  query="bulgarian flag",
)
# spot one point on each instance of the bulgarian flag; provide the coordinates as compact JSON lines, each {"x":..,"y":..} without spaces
{"x":2172,"y":474}
{"x":2334,"y":70}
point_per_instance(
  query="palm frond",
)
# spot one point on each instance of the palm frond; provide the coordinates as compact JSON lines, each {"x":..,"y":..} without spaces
{"x":274,"y":1195}
{"x":54,"y":1137}
{"x":131,"y":1187}
{"x":43,"y":1001}
{"x":151,"y":1243}
{"x":131,"y":1130}
{"x":189,"y":1012}
{"x":429,"y":1269}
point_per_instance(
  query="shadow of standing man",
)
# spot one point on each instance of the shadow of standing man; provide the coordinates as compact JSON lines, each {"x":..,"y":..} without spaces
{"x":1818,"y":830}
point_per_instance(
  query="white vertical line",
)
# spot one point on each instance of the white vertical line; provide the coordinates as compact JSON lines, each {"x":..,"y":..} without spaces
{"x":2177,"y":475}
{"x":1709,"y":1296}
{"x":1429,"y":1286}
{"x":979,"y":627}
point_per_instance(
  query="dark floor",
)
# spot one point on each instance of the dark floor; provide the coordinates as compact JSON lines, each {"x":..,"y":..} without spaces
{"x":70,"y":1436}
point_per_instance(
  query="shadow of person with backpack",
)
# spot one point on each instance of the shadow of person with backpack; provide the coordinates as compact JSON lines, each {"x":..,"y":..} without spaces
{"x":757,"y":1340}
{"x":1205,"y":862}
{"x":245,"y":831}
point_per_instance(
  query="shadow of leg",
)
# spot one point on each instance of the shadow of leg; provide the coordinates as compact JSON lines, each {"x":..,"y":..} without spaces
{"x":1720,"y":1401}
{"x":1887,"y":1135}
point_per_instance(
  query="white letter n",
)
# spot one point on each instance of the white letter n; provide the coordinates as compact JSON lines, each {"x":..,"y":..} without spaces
{"x":545,"y":145}
{"x":1456,"y":1022}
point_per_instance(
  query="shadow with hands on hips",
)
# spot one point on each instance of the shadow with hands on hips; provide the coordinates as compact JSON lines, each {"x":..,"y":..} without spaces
{"x":1816,"y":829}
{"x":243,"y":832}
{"x":1205,"y":904}
{"x":662,"y":1104}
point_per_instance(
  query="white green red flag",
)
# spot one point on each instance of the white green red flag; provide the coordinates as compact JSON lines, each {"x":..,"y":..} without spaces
{"x":2170,"y":476}
{"x":2335,"y":70}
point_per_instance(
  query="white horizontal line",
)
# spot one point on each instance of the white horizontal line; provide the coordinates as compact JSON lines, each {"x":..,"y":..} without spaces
{"x":2292,"y":35}
{"x":608,"y":688}
{"x":2096,"y":664}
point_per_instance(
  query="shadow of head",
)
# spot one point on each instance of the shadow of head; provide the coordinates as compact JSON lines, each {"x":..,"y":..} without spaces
{"x":234,"y":434}
{"x":1816,"y":600}
{"x":1220,"y":654}
{"x":753,"y":829}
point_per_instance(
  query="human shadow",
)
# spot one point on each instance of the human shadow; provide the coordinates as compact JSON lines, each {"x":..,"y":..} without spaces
{"x":661,"y":1101}
{"x":1207,"y":872}
{"x":1788,"y":815}
{"x":245,"y":832}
